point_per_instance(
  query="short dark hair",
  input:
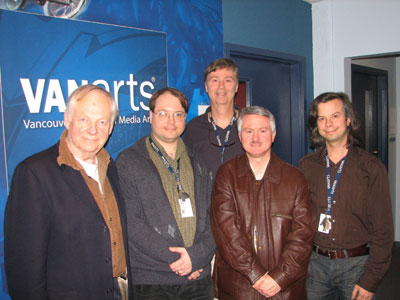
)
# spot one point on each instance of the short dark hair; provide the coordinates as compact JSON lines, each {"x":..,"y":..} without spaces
{"x":222,"y":63}
{"x":174,"y":92}
{"x":353,"y":130}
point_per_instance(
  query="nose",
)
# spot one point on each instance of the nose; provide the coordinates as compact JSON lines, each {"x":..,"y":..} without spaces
{"x":171,"y":119}
{"x":329,"y":122}
{"x":221,"y":84}
{"x":93,"y":128}
{"x":255,"y":136}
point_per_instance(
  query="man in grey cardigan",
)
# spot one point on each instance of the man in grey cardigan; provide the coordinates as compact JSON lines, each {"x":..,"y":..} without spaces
{"x":167,"y":196}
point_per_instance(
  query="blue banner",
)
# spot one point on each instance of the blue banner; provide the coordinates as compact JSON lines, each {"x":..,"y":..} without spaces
{"x":43,"y":59}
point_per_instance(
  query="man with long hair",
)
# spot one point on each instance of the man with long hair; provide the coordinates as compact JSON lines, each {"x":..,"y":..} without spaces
{"x":351,"y":204}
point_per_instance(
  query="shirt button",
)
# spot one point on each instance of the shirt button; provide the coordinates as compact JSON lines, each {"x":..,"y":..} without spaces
{"x":333,"y":239}
{"x":333,"y":221}
{"x":259,"y":247}
{"x":105,"y":229}
{"x":109,"y":291}
{"x":108,"y":260}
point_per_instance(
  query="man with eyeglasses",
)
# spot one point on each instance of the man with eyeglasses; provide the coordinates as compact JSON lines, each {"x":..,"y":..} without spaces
{"x":167,"y":194}
{"x":213,"y":135}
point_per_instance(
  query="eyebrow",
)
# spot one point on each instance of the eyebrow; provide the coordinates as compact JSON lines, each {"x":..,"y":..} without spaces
{"x":172,"y":111}
{"x":330,"y":114}
{"x":255,"y":128}
{"x":215,"y":76}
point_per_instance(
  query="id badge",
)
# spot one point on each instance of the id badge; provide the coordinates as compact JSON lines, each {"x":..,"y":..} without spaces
{"x":325,"y":223}
{"x":186,"y":207}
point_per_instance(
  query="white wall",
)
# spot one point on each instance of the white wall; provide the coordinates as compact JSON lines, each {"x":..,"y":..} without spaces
{"x":348,"y":29}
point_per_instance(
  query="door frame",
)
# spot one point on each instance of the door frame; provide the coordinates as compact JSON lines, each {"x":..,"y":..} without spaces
{"x":383,"y":102}
{"x":297,"y":66}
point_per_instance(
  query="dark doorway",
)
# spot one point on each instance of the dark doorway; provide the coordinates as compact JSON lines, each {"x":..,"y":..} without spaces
{"x":275,"y":81}
{"x":369,"y":88}
{"x":241,"y":95}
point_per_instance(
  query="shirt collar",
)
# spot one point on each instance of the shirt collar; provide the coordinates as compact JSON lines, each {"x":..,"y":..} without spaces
{"x":66,"y":157}
{"x":180,"y":148}
{"x":272,"y":173}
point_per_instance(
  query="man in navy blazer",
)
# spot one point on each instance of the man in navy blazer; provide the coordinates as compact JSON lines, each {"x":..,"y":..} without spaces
{"x":65,"y":220}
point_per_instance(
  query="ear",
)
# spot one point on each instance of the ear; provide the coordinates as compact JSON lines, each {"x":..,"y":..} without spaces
{"x":205,"y":87}
{"x":66,"y":120}
{"x":273,"y":136}
{"x":151,"y":117}
{"x":237,"y":87}
{"x":348,"y":121}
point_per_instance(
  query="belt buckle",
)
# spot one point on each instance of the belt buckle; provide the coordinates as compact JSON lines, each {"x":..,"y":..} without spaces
{"x":332,"y":254}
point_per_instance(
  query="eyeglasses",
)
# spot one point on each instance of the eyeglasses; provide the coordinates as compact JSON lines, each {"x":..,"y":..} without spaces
{"x":164,"y":116}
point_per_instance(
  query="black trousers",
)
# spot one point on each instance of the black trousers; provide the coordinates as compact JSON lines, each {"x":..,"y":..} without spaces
{"x":201,"y":289}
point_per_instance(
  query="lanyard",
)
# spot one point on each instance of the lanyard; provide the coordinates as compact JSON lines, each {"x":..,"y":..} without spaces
{"x":228,"y":132}
{"x":168,"y":166}
{"x":331,"y":191}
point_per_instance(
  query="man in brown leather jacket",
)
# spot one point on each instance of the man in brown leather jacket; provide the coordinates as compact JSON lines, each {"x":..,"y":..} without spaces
{"x":261,"y":219}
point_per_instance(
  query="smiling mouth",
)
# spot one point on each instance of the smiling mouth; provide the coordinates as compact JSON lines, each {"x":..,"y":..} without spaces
{"x":90,"y":140}
{"x":330,"y":132}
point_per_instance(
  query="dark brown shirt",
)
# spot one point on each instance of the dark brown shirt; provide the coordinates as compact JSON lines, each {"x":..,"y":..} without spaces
{"x":361,"y":208}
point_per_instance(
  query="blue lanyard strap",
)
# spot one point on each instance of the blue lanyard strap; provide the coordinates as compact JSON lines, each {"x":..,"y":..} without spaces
{"x":176,"y":172}
{"x":228,"y":132}
{"x":331,"y":191}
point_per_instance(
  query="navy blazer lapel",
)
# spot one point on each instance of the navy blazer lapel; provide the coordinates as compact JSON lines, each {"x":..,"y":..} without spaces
{"x":78,"y":186}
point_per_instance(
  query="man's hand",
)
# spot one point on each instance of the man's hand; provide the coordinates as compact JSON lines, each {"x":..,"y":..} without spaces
{"x":195,"y":274}
{"x":267,"y":286}
{"x":183,"y":265}
{"x":362,"y":293}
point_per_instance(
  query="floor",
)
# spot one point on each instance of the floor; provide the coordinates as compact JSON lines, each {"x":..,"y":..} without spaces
{"x":389,"y":289}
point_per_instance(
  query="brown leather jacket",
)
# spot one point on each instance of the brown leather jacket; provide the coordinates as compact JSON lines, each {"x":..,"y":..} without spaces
{"x":261,"y":226}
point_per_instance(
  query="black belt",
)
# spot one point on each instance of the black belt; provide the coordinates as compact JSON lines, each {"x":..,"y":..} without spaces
{"x":335,"y":254}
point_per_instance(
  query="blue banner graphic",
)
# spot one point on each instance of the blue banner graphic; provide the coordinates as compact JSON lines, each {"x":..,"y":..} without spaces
{"x":43,"y":59}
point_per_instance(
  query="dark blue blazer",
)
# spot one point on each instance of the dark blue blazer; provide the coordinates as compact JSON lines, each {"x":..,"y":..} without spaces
{"x":57,"y":245}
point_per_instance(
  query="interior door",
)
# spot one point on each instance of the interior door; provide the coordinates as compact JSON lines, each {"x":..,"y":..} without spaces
{"x":276,"y":82}
{"x":369,"y":97}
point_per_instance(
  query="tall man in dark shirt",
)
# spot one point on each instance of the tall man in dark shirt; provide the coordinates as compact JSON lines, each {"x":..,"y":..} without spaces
{"x":352,"y":207}
{"x":213,"y":135}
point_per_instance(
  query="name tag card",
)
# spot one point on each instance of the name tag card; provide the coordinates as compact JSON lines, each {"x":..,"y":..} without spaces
{"x":186,"y":207}
{"x":325,"y":223}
